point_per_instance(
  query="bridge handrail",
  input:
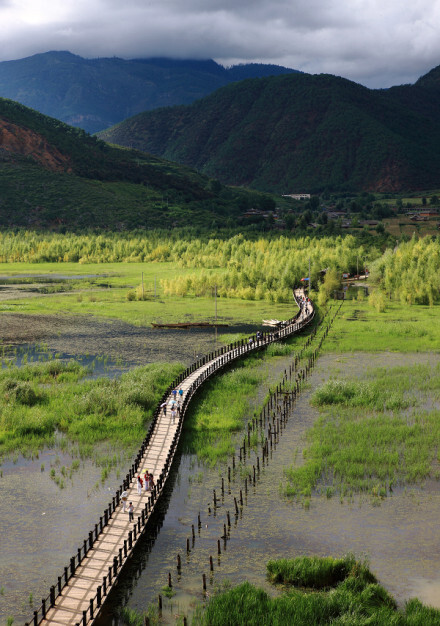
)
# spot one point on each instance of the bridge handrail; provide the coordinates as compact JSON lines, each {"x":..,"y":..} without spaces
{"x":220,"y":358}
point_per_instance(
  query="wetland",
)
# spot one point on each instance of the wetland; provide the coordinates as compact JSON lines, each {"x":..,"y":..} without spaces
{"x":54,"y":488}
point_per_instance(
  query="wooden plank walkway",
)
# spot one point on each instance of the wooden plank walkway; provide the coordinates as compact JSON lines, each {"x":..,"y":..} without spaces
{"x":81,"y":590}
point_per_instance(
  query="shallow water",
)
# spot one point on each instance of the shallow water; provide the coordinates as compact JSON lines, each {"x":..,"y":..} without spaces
{"x":400,"y":537}
{"x":76,"y":336}
{"x":50,"y":277}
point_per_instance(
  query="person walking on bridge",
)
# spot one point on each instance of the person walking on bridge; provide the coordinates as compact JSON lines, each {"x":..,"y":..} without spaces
{"x":130,"y":512}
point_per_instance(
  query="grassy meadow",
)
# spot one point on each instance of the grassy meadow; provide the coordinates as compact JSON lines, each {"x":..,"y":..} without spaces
{"x":377,"y":431}
{"x":400,"y":328}
{"x":106,"y":295}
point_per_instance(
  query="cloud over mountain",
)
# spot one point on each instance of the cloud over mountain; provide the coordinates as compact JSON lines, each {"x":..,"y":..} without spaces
{"x":372,"y":42}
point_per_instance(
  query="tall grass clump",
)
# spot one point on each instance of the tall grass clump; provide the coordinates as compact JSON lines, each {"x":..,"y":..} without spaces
{"x":316,"y":572}
{"x":353,"y":597}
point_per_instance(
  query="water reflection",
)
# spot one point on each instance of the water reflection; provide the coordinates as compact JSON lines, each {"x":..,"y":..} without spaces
{"x":400,"y":537}
{"x":44,"y":525}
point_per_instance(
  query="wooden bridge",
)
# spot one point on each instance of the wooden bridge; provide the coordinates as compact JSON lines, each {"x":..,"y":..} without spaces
{"x":83,"y":586}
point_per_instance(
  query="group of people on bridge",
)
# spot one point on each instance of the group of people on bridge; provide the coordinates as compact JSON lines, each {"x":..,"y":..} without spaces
{"x":147,"y":483}
{"x":174,"y":404}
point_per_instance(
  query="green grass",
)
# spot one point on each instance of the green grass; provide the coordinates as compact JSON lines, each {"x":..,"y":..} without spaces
{"x":223,"y":405}
{"x":36,"y":401}
{"x":372,"y":435}
{"x":316,"y":572}
{"x":400,"y":328}
{"x":97,"y":299}
{"x":220,"y":409}
{"x":353,"y":597}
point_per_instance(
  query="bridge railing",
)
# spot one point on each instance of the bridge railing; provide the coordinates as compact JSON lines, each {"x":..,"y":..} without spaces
{"x":220,"y":358}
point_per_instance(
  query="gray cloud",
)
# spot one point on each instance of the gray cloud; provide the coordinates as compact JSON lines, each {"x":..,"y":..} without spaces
{"x":375,"y":42}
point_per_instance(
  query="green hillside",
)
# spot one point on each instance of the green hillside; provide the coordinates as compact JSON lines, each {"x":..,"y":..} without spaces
{"x":299,"y":132}
{"x":95,"y":93}
{"x":53,"y":175}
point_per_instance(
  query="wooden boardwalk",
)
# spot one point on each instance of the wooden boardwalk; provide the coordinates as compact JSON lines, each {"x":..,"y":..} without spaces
{"x":95,"y":568}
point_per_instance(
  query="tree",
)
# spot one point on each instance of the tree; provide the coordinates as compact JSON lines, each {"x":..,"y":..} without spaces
{"x":331,"y":283}
{"x":267,"y":203}
{"x":434,"y":200}
{"x":314,"y":203}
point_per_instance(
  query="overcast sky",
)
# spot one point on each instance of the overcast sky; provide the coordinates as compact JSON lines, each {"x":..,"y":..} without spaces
{"x":378,"y":43}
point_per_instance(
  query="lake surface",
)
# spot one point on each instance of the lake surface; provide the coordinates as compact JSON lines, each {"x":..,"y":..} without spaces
{"x":399,"y":537}
{"x":44,"y":525}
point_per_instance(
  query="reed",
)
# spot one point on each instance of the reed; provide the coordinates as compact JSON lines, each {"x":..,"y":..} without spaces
{"x":371,"y":436}
{"x":352,"y":597}
{"x":40,"y":399}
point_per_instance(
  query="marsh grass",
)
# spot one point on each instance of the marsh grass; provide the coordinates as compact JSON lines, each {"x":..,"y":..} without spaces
{"x":57,"y":406}
{"x":133,"y":617}
{"x":220,"y":410}
{"x":400,"y":328}
{"x":317,"y":572}
{"x":372,"y":435}
{"x":336,"y":591}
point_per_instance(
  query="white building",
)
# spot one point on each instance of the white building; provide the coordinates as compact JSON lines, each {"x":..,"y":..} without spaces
{"x":297,"y":196}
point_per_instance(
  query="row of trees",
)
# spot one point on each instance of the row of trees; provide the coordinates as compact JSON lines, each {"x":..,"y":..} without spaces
{"x":264,"y":268}
{"x":410,"y":272}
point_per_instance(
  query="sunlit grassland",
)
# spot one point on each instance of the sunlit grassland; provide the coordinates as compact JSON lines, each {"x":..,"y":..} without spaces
{"x":225,"y":403}
{"x":400,"y":328}
{"x":106,"y":295}
{"x":373,"y":434}
{"x":315,"y":591}
{"x":54,"y":404}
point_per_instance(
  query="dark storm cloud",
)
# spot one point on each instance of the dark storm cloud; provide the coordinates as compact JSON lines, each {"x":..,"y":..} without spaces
{"x":378,"y":43}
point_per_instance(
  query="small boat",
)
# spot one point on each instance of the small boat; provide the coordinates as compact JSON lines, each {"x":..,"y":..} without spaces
{"x":272,"y":323}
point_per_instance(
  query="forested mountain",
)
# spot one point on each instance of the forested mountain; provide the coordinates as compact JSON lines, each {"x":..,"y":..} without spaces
{"x":96,"y":93}
{"x":301,"y":133}
{"x":54,"y":175}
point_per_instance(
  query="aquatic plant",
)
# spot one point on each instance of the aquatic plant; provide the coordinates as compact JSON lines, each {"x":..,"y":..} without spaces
{"x":362,"y":441}
{"x":353,"y":597}
{"x":85,"y":411}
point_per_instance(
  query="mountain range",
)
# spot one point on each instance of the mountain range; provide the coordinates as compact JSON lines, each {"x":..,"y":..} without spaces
{"x":300,"y":132}
{"x":94,"y":94}
{"x":54,"y":176}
